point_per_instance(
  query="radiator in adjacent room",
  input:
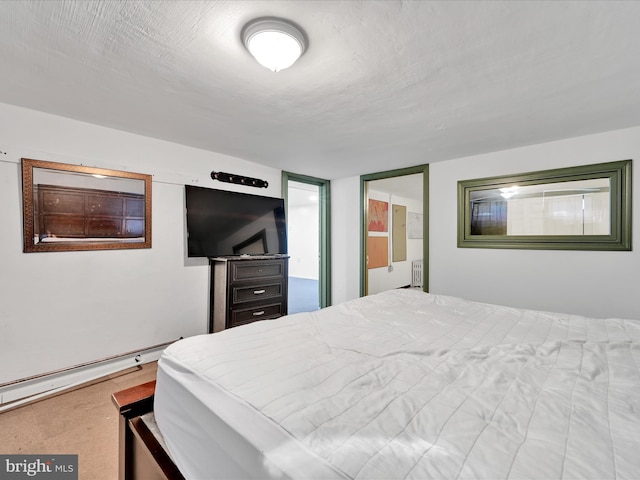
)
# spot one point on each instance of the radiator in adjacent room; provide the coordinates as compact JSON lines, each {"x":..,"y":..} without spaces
{"x":416,"y":273}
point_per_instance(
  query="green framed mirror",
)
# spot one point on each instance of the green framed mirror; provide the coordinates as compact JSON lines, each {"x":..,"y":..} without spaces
{"x":575,"y":208}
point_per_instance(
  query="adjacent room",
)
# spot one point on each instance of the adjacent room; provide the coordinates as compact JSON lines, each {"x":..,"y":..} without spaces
{"x":393,"y":241}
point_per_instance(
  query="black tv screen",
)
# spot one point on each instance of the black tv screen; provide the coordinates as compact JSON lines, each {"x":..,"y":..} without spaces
{"x":222,"y":223}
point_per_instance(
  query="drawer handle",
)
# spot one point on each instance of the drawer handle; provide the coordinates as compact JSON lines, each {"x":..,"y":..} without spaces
{"x":258,"y":292}
{"x":258,"y":314}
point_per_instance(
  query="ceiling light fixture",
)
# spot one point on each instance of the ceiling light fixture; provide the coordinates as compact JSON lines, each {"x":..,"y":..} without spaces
{"x":274,"y":43}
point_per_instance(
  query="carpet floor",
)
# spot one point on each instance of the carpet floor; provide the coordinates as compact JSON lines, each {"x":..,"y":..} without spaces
{"x":83,"y":422}
{"x":304,"y":295}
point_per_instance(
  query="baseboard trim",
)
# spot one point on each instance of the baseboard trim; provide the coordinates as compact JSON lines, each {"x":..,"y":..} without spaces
{"x":35,"y":388}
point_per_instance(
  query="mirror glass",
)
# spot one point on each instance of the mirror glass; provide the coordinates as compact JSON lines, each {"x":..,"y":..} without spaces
{"x":72,"y":207}
{"x":582,"y":208}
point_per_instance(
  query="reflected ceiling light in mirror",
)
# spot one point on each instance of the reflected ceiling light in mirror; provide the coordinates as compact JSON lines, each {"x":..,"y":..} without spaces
{"x":509,"y":191}
{"x":275,"y":43}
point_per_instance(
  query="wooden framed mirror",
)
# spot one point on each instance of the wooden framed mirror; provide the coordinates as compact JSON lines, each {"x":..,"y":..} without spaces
{"x":73,"y":207}
{"x":576,"y":208}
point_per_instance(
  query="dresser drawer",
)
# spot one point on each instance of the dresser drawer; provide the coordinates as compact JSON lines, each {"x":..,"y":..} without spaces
{"x":263,"y":312}
{"x":246,"y":290}
{"x":250,"y":270}
{"x":63,"y":225}
{"x":252,"y":293}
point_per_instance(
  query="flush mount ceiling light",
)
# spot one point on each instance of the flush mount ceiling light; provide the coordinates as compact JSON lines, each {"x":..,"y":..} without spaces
{"x":274,"y":43}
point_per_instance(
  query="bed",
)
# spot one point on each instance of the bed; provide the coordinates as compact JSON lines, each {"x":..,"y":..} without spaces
{"x":406,"y":385}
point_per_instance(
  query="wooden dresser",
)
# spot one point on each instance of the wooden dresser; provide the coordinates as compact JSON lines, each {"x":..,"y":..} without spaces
{"x":247,"y":289}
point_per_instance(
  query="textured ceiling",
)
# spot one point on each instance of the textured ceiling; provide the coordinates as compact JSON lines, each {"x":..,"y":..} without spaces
{"x":383,"y":84}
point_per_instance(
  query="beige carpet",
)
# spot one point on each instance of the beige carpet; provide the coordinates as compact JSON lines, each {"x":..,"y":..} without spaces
{"x":82,"y":422}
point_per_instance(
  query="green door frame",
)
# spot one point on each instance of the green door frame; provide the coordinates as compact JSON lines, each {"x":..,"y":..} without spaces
{"x":324,"y":188}
{"x":364,"y":210}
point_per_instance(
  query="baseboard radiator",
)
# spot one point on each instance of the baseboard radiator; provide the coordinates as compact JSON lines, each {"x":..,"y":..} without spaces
{"x":416,"y":273}
{"x":32,"y":388}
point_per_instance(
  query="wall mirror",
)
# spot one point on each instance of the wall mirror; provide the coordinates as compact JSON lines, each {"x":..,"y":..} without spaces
{"x":575,"y":208}
{"x":73,"y":207}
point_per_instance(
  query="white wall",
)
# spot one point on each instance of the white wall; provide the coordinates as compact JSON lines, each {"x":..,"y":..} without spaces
{"x":599,"y":284}
{"x":345,"y":239}
{"x":303,"y":241}
{"x":60,"y":309}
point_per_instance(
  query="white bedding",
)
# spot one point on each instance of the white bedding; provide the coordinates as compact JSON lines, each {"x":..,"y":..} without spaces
{"x":405,"y":384}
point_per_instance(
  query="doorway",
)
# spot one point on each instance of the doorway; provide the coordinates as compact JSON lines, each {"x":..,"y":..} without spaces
{"x":394,"y":230}
{"x":307,"y":211}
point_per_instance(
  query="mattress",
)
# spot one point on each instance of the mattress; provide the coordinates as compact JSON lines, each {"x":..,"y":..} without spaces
{"x":405,"y":384}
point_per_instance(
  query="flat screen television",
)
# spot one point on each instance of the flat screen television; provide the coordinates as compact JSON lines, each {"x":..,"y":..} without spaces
{"x":221,"y":223}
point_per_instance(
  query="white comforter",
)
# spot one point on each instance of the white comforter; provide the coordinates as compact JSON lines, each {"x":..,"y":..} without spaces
{"x":405,"y":384}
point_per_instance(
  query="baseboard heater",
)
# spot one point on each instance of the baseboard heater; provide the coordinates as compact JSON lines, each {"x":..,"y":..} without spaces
{"x":36,"y":386}
{"x":416,"y":273}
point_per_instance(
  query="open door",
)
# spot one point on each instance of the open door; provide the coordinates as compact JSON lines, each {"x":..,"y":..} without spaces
{"x":307,"y":211}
